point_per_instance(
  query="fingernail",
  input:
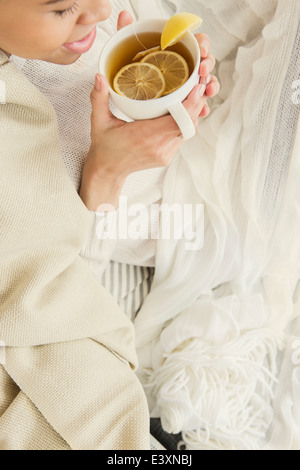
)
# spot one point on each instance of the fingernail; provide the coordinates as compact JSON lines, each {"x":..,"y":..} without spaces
{"x":201,"y":90}
{"x":205,"y":47}
{"x":208,"y":79}
{"x":98,"y":82}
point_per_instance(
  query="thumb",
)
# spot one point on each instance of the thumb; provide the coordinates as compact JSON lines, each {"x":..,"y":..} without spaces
{"x":124,"y":19}
{"x":101,"y":114}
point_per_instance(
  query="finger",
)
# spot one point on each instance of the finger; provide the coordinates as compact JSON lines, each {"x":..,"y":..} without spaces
{"x":101,"y":114}
{"x":166,"y":128}
{"x":213,"y":88}
{"x":163,"y":128}
{"x":205,"y":111}
{"x":204,"y":44}
{"x":195,"y":102}
{"x":207,"y":65}
{"x":205,"y":81}
{"x":124,"y":19}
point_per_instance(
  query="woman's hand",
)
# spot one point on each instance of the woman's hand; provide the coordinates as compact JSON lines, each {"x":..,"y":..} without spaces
{"x":119,"y":148}
{"x":207,"y":65}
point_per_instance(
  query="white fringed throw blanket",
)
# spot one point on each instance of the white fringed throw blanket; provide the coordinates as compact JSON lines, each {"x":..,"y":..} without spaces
{"x":218,"y":336}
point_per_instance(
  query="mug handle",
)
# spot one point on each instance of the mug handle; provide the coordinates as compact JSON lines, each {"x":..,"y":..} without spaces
{"x":183,"y":120}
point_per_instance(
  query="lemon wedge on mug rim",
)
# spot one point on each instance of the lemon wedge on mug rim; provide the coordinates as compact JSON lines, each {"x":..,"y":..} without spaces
{"x":176,"y":28}
{"x":140,"y":82}
{"x":173,"y":67}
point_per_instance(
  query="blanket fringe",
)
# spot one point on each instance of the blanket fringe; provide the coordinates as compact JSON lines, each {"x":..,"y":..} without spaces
{"x":218,"y":396}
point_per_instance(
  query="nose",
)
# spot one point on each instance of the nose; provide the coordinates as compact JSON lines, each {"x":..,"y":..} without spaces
{"x":95,"y":11}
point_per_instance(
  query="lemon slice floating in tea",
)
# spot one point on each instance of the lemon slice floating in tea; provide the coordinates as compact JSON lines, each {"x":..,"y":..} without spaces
{"x":177,"y":27}
{"x":140,"y":55}
{"x":140,"y":82}
{"x":173,"y":67}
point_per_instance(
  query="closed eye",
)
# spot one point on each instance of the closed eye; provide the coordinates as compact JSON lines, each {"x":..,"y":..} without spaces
{"x":69,"y":10}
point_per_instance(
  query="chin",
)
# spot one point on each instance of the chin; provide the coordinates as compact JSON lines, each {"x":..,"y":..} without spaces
{"x":69,"y":61}
{"x":62,"y":59}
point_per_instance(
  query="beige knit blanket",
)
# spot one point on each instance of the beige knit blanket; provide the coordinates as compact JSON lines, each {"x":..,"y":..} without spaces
{"x":67,"y":377}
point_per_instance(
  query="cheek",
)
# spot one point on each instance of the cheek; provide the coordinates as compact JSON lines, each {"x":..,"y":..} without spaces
{"x":47,"y":36}
{"x":34,"y":38}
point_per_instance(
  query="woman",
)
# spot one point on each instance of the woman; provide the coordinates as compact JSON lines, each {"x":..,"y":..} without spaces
{"x":66,"y":382}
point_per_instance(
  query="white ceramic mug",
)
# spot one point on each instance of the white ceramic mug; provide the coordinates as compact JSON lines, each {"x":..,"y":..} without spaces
{"x":172,"y":103}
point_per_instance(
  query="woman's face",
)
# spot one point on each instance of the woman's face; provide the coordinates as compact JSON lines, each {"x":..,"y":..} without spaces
{"x":57,"y":31}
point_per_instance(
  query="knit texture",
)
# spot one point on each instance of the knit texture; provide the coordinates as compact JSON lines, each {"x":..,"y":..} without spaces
{"x":50,"y":303}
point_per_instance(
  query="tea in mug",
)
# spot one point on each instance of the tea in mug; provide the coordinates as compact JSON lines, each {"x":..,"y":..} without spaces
{"x":138,"y":69}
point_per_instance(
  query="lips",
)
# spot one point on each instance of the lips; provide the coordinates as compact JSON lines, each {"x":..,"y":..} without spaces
{"x":84,"y":45}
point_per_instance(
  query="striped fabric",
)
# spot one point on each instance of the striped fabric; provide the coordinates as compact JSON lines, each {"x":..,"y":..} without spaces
{"x":128,"y":284}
